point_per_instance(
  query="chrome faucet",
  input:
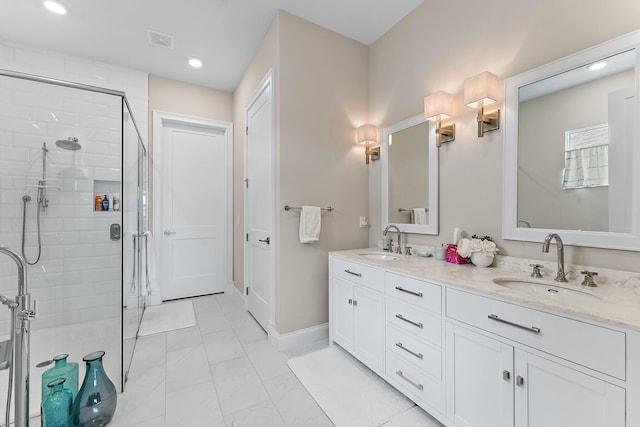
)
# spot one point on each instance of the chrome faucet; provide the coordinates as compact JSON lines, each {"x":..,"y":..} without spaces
{"x":384,"y":233}
{"x":561,"y":276}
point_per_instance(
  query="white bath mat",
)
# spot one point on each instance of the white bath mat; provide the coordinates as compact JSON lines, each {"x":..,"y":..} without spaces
{"x":349,"y":393}
{"x":167,"y":317}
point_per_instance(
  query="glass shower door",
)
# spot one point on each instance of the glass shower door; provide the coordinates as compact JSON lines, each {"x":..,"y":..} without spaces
{"x":60,"y":149}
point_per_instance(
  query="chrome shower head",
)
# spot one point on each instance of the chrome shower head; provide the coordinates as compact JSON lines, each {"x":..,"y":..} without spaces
{"x":70,"y":143}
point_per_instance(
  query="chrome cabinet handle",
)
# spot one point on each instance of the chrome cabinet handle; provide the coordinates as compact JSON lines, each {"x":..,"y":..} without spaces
{"x":267,"y":240}
{"x":416,"y":385}
{"x":418,"y":355}
{"x":506,"y":375}
{"x":520,"y":381}
{"x":169,"y":232}
{"x":401,"y":289}
{"x":517,"y":325}
{"x":355,"y":274}
{"x":418,"y":324}
{"x":350,"y":301}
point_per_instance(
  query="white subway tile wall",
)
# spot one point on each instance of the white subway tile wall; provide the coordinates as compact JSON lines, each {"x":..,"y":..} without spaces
{"x":79,"y":276}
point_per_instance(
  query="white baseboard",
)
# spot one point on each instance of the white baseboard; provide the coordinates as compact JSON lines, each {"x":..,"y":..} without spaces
{"x":155,"y":298}
{"x":300,"y":338}
{"x":229,"y":288}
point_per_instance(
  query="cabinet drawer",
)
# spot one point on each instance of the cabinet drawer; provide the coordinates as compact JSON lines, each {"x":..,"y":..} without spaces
{"x":589,"y":345}
{"x":413,"y":350}
{"x":419,"y":323}
{"x":358,"y":273}
{"x":417,"y":292}
{"x":415,"y":383}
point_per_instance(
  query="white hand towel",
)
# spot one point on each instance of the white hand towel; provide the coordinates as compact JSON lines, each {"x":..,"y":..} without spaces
{"x":420,"y":215}
{"x":309,"y":224}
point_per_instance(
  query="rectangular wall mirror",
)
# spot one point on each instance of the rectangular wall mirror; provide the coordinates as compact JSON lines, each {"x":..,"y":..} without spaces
{"x":571,"y":140}
{"x":410,"y":176}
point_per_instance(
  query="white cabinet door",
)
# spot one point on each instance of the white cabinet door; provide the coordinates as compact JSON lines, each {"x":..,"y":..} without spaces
{"x":552,"y":395}
{"x":479,"y":379}
{"x":342,"y":313}
{"x":369,"y":327}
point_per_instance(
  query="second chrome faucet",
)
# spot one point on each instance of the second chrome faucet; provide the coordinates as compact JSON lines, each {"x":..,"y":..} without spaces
{"x":561,"y":276}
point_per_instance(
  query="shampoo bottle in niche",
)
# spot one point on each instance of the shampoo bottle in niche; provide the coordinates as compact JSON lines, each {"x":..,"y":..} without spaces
{"x":105,"y":203}
{"x":98,"y":203}
{"x":61,"y":369}
{"x":116,"y":202}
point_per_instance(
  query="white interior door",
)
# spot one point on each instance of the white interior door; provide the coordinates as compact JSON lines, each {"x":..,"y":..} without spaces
{"x":259,"y":205}
{"x":193,"y":223}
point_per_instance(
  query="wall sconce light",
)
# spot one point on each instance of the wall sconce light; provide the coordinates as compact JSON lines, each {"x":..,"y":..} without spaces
{"x":481,"y":90}
{"x":368,"y":134}
{"x":439,"y":106}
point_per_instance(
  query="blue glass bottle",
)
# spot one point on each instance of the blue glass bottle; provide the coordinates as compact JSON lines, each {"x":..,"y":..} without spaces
{"x":57,"y":409}
{"x":61,"y":369}
{"x":96,"y":401}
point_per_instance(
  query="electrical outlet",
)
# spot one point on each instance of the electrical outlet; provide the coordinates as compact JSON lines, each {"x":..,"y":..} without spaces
{"x":363,"y":222}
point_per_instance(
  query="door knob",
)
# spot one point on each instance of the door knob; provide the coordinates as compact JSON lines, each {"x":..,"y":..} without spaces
{"x":267,"y":240}
{"x":169,"y":232}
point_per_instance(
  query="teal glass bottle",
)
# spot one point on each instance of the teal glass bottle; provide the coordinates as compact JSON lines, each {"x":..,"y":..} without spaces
{"x":57,"y":409}
{"x":96,"y":400}
{"x":61,"y":369}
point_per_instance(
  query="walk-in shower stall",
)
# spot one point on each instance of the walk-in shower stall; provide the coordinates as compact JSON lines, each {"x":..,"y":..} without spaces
{"x":65,"y":149}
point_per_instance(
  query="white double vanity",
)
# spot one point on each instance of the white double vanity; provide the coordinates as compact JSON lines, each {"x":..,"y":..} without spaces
{"x":474,"y":353}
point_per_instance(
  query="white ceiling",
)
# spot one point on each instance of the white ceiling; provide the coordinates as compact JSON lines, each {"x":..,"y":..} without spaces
{"x":223,"y":33}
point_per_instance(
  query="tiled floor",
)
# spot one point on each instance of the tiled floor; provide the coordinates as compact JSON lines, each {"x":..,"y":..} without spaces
{"x":221,"y":372}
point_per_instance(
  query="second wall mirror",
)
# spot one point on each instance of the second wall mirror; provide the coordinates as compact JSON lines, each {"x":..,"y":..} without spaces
{"x":410,"y":176}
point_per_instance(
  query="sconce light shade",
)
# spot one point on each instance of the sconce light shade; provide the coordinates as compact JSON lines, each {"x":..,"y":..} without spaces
{"x":481,"y":90}
{"x":368,"y":134}
{"x":485,"y":88}
{"x":438,"y":106}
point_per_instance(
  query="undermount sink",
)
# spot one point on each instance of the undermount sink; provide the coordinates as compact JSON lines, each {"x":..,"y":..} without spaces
{"x":380,"y":256}
{"x":545,"y":290}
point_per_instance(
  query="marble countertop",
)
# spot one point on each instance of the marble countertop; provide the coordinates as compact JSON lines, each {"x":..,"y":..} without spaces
{"x":618,"y":302}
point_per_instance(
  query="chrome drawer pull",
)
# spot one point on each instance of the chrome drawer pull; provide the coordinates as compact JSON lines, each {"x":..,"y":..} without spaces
{"x":416,"y":385}
{"x":355,"y":274}
{"x":418,"y":355}
{"x":418,"y":324}
{"x":401,"y":289}
{"x":526,"y":328}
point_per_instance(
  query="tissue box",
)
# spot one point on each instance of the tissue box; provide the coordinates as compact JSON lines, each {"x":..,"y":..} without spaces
{"x":453,"y":256}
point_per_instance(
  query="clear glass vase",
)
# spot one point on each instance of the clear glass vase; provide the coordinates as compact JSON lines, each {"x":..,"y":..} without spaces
{"x":57,"y":409}
{"x":96,"y":401}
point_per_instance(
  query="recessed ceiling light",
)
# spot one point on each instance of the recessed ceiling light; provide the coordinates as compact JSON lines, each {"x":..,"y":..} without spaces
{"x":597,"y":65}
{"x":55,"y":7}
{"x":195,"y":62}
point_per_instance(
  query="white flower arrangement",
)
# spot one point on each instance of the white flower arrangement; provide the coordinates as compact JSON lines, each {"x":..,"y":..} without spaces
{"x":468,"y":246}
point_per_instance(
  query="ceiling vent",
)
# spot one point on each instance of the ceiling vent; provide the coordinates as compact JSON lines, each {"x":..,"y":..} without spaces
{"x":159,"y":39}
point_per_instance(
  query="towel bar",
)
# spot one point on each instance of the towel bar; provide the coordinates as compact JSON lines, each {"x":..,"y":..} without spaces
{"x":288,"y":208}
{"x":410,"y":210}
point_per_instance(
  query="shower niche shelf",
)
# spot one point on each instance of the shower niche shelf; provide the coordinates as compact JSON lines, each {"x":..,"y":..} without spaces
{"x":102,"y":187}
